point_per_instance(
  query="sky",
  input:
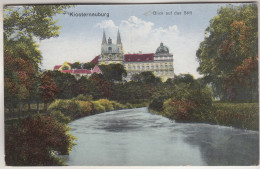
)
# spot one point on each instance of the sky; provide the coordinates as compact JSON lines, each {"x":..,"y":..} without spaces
{"x":181,"y":27}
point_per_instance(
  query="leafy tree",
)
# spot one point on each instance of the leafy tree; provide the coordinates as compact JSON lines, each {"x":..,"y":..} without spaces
{"x":76,"y":65}
{"x":22,"y":24}
{"x":66,"y":84}
{"x":230,"y":39}
{"x":102,"y":86}
{"x":33,"y":142}
{"x":89,"y":65}
{"x":48,"y":89}
{"x":32,"y":21}
{"x":113,"y":72}
{"x":146,"y":77}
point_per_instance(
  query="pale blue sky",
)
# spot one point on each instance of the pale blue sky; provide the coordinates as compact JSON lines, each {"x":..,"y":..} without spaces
{"x":80,"y":37}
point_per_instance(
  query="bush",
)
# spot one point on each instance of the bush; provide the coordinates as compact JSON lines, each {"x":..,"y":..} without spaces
{"x":107,"y":104}
{"x":72,"y":108}
{"x":189,"y":104}
{"x":31,"y":142}
{"x":242,"y":115}
{"x":157,"y":104}
{"x":97,"y":107}
{"x":60,"y":117}
{"x":117,"y":106}
{"x":83,"y":97}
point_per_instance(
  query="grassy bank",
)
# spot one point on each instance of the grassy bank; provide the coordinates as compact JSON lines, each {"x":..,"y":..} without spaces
{"x":240,"y":115}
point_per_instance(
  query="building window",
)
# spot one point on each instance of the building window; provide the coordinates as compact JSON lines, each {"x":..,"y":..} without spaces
{"x":147,"y":67}
{"x":142,"y":67}
{"x":134,"y":67}
{"x":157,"y":67}
{"x":109,"y":48}
{"x":152,"y":67}
{"x":138,"y":67}
{"x":161,"y":66}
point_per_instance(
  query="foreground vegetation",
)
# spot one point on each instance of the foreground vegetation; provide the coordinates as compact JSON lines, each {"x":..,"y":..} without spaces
{"x":38,"y":139}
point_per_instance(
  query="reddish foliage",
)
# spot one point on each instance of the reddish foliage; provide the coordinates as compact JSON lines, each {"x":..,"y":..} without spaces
{"x":31,"y":142}
{"x":48,"y":87}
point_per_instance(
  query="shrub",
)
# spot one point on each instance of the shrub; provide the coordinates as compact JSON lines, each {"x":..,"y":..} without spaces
{"x":157,"y":104}
{"x":107,"y":104}
{"x":60,"y":117}
{"x":117,"y":106}
{"x":242,"y":115}
{"x":72,"y":108}
{"x":31,"y":142}
{"x":85,"y":108}
{"x":97,"y":107}
{"x":189,"y":104}
{"x":83,"y":97}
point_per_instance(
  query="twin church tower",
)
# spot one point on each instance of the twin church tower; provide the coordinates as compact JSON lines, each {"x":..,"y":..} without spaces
{"x":110,"y":52}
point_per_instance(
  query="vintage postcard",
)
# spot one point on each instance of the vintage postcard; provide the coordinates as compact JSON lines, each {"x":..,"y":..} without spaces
{"x":169,"y":84}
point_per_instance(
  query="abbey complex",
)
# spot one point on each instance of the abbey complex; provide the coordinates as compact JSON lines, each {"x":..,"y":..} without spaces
{"x":160,"y":62}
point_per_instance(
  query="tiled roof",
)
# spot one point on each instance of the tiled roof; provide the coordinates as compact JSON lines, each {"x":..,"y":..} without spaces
{"x":95,"y":60}
{"x":67,"y":71}
{"x":139,"y":57}
{"x":96,"y":70}
{"x":57,"y":67}
{"x":77,"y":71}
{"x":81,"y":71}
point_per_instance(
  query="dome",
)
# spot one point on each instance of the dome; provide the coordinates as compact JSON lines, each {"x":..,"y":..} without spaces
{"x":162,"y":49}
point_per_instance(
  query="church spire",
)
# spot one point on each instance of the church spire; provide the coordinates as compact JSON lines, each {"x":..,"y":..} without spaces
{"x":118,"y":38}
{"x":104,"y":41}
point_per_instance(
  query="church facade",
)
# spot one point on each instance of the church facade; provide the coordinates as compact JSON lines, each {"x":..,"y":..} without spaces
{"x":160,"y":62}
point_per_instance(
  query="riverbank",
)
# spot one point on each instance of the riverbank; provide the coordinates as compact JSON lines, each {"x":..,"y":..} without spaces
{"x":66,"y":111}
{"x":239,"y":115}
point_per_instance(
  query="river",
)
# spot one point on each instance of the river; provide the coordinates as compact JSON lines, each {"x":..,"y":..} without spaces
{"x":136,"y":137}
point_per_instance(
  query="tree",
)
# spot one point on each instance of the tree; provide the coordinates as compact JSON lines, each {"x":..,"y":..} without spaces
{"x":22,"y":24}
{"x":48,"y":89}
{"x":89,"y":65}
{"x":230,"y":39}
{"x":103,"y":87}
{"x":33,"y":142}
{"x":66,"y":84}
{"x":113,"y":72}
{"x":32,"y":21}
{"x":76,"y":65}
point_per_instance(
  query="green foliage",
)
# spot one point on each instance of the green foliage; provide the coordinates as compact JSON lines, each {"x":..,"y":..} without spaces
{"x":60,"y":117}
{"x":157,"y":103}
{"x":231,"y":38}
{"x":71,"y":108}
{"x":146,"y":77}
{"x":89,"y":65}
{"x":21,"y":21}
{"x":76,"y":65}
{"x":242,"y":115}
{"x":66,"y":84}
{"x":98,"y":107}
{"x":113,"y":72}
{"x":32,"y":142}
{"x":83,"y":97}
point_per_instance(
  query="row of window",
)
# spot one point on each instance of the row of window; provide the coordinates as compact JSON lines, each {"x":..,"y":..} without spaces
{"x":138,"y":67}
{"x":162,"y":58}
{"x":158,"y":73}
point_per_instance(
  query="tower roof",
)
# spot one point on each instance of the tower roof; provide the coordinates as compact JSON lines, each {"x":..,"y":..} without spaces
{"x":118,"y":38}
{"x":162,"y":49}
{"x":104,"y":41}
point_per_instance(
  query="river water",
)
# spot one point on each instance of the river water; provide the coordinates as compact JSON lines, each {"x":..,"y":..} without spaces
{"x":136,"y":137}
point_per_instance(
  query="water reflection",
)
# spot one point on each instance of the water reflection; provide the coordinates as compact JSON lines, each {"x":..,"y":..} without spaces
{"x":138,"y":138}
